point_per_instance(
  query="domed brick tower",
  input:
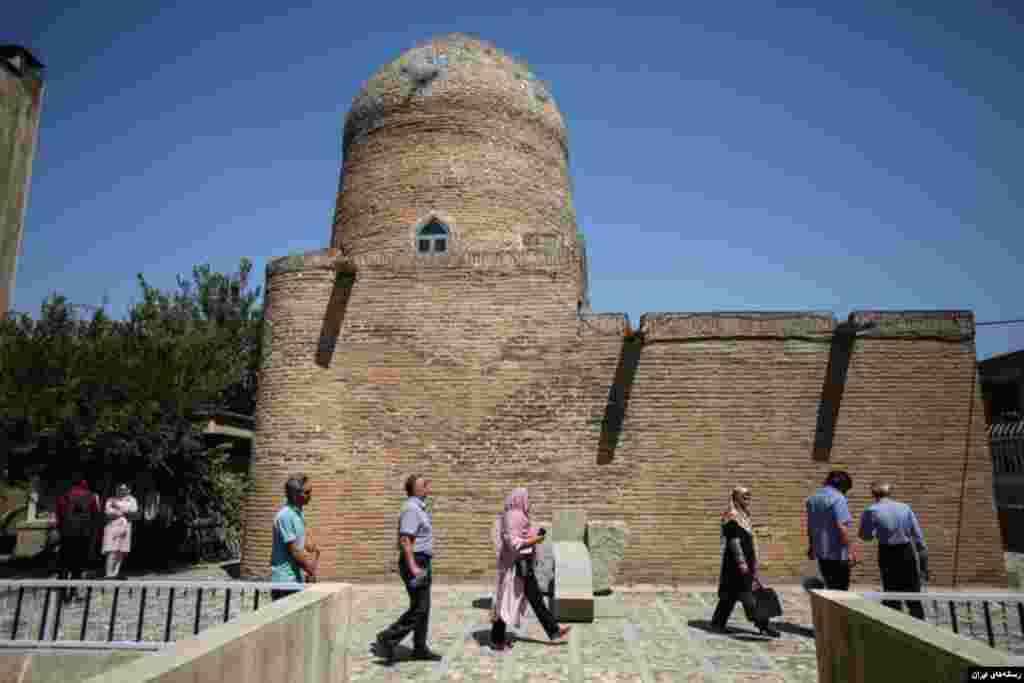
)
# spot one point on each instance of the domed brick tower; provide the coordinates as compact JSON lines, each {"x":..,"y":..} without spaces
{"x":416,"y":341}
{"x":454,"y":127}
{"x":445,"y":332}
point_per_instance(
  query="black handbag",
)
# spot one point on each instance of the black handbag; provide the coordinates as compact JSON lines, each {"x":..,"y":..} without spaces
{"x":766,"y":604}
{"x":524,"y":567}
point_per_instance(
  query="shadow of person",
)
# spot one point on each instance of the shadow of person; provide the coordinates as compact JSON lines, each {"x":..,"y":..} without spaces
{"x":748,"y":633}
{"x":401,"y":652}
{"x":794,"y":629}
{"x":482,"y":636}
{"x":735,"y":632}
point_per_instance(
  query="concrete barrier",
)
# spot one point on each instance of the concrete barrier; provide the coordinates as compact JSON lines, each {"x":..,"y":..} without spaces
{"x":860,"y":641}
{"x":60,"y":666}
{"x":574,"y":582}
{"x":302,"y":638}
{"x":606,"y":541}
{"x":573,"y":597}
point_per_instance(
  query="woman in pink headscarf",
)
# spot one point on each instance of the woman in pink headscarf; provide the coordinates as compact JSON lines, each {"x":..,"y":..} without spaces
{"x":514,"y":539}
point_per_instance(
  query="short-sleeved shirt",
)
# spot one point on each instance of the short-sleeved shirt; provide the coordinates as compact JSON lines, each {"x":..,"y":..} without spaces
{"x":289,"y":526}
{"x":825,"y":509}
{"x":414,"y":520}
{"x":892,"y":522}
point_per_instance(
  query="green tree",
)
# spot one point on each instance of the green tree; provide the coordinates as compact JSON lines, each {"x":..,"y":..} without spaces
{"x":101,"y":395}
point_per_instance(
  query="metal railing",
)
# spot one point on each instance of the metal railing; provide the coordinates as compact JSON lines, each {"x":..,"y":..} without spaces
{"x":995,"y":618}
{"x":121,"y":614}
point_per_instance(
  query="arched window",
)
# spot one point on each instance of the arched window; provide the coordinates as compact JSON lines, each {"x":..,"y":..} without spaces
{"x":432,"y":238}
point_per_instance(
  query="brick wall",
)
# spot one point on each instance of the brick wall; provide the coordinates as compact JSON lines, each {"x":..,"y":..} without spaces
{"x":477,"y":369}
{"x":481,"y":374}
{"x":482,"y":142}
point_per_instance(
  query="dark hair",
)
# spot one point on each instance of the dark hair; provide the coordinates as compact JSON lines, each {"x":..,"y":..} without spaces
{"x":410,"y":483}
{"x":840,"y":480}
{"x":295,"y":486}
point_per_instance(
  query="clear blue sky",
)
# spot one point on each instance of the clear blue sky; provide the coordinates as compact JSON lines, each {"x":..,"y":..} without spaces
{"x":725,"y":156}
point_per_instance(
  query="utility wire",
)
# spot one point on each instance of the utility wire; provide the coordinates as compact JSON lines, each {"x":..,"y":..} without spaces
{"x":999,"y":322}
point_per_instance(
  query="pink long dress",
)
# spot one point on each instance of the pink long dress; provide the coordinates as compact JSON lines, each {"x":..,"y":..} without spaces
{"x":509,"y":533}
{"x":117,"y":534}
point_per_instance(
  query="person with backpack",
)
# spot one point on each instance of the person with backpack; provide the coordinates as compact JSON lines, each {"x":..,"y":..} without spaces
{"x":78,"y":511}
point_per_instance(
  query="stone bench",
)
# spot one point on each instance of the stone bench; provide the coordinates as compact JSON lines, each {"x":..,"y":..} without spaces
{"x":573,"y":598}
{"x":605,"y":540}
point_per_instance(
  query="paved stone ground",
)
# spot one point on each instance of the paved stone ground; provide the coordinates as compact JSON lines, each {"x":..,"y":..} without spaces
{"x":643,"y":634}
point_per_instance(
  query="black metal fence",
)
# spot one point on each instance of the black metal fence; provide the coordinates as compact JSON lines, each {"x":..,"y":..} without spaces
{"x":132,"y":614}
{"x":993,"y":618}
{"x":1006,"y":441}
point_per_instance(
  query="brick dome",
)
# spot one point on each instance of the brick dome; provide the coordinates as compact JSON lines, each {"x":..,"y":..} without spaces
{"x":455,"y":133}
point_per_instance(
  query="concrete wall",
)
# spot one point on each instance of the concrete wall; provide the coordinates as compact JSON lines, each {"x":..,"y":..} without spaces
{"x":61,"y":667}
{"x":302,"y":638}
{"x":480,"y":373}
{"x":859,"y":641}
{"x":20,"y":102}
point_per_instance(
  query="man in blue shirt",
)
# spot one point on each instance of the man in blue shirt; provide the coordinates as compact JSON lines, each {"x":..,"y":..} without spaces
{"x":828,"y":533}
{"x":902,"y":554}
{"x":416,"y":548}
{"x":290,"y":554}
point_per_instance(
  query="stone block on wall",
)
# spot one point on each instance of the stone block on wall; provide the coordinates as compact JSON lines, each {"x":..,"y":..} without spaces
{"x":607,"y":544}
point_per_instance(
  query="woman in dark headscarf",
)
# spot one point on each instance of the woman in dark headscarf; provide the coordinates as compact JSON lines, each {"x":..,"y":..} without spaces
{"x":514,"y":539}
{"x":739,"y":578}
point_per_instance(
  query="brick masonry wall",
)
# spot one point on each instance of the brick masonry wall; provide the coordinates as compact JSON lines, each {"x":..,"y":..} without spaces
{"x":481,"y":375}
{"x":481,"y":146}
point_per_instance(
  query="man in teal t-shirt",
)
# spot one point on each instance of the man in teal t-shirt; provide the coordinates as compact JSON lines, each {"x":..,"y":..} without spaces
{"x":290,"y":554}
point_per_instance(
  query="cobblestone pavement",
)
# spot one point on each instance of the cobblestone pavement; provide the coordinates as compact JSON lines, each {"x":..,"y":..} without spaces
{"x":645,"y":634}
{"x":648,"y":635}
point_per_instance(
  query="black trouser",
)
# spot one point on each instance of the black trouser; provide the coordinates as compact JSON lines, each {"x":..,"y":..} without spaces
{"x":417,"y":617}
{"x":536,"y":599}
{"x":836,"y":574}
{"x":277,"y":595}
{"x":726,"y":603}
{"x":73,"y":559}
{"x":498,"y":632}
{"x":898,"y":565}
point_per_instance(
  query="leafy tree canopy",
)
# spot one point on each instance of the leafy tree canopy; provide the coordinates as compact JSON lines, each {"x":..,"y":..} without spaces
{"x":97,"y":394}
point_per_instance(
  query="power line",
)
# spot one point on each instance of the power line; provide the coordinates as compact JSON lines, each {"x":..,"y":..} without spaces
{"x":999,"y":322}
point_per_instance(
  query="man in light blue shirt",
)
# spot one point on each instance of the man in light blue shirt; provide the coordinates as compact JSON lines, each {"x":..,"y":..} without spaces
{"x":828,"y":534}
{"x":902,"y":554}
{"x":290,"y":554}
{"x":416,"y":548}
